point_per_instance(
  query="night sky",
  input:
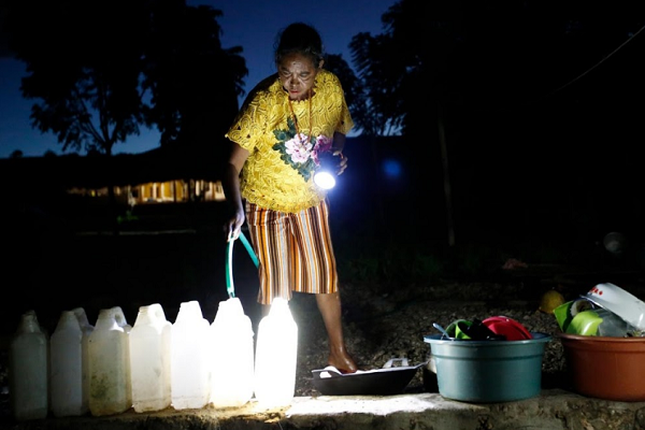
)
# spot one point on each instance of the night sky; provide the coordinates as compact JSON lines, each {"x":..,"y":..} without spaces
{"x":543,"y":138}
{"x":251,"y":24}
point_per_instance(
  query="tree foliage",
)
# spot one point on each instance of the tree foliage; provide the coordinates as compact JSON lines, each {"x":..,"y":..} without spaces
{"x":482,"y":55}
{"x":193,"y":81}
{"x":501,"y":87}
{"x":98,"y":68}
{"x":404,"y":66}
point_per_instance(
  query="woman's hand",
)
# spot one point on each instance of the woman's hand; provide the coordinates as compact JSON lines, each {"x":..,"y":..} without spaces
{"x":337,"y":147}
{"x":342,"y":164}
{"x":233,"y":226}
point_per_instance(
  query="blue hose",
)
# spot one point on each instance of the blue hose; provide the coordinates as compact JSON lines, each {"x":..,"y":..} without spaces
{"x":230,"y":286}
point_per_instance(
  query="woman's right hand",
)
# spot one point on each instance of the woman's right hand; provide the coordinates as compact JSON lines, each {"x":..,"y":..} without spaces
{"x":233,"y":226}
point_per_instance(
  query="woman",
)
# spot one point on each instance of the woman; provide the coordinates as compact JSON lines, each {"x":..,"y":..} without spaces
{"x":285,"y":124}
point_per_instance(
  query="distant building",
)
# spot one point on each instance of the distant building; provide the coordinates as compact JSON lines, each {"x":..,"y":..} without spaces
{"x":158,"y":176}
{"x":174,"y":191}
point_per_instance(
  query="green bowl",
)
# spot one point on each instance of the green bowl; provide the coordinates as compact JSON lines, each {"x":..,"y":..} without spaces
{"x":454,"y":330}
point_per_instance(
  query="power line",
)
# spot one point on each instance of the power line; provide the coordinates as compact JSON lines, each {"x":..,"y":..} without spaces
{"x":605,"y":58}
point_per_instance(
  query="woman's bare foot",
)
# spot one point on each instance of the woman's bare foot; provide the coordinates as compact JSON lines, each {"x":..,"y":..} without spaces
{"x":343,"y":362}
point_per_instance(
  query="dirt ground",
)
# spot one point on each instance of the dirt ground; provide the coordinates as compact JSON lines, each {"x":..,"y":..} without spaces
{"x":394,"y":326}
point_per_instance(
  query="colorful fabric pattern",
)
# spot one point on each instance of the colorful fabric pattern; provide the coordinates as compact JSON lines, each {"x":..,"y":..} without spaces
{"x":278,"y":172}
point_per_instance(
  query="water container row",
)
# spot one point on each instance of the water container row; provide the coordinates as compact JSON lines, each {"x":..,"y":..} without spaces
{"x":111,"y":367}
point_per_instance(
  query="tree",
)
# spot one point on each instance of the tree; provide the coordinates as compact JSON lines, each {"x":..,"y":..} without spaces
{"x":194,"y":83}
{"x":471,"y":78}
{"x":92,"y":64}
{"x":402,"y":69}
{"x":92,"y":74}
{"x":84,"y":70}
{"x":377,"y":116}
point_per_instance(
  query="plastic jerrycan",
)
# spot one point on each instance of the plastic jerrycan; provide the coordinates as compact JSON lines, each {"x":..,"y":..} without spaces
{"x":276,"y":356}
{"x":190,"y":355}
{"x":109,"y":364}
{"x":87,"y":329}
{"x":150,"y":359}
{"x":232,"y":371}
{"x":28,"y":370}
{"x":120,"y":319}
{"x":67,"y":382}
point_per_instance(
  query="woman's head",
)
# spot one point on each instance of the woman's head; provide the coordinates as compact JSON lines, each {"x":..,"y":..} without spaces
{"x":298,"y":57}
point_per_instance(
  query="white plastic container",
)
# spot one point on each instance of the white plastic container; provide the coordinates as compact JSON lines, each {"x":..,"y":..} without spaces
{"x":150,"y":359}
{"x":122,"y":322}
{"x":276,"y":356}
{"x":109,"y":364}
{"x":87,"y":329}
{"x":28,"y":369}
{"x":66,"y":367}
{"x":190,"y":355}
{"x":232,"y":364}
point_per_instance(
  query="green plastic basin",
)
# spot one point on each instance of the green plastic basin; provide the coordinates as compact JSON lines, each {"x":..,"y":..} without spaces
{"x":488,"y":371}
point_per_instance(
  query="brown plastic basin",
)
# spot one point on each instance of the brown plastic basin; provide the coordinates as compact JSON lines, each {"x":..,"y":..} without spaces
{"x":610,"y":368}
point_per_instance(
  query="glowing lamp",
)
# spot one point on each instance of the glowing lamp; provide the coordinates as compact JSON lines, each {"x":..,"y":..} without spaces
{"x":325,"y":180}
{"x":324,"y":176}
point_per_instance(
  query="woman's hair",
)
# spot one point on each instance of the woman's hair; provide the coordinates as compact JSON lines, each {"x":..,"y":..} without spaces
{"x":299,"y":38}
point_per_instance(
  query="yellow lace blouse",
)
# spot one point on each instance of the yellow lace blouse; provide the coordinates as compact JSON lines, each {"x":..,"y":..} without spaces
{"x":278,"y":172}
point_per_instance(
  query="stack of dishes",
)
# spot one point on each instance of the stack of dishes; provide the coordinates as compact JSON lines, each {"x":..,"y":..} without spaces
{"x":605,"y":310}
{"x":620,"y":302}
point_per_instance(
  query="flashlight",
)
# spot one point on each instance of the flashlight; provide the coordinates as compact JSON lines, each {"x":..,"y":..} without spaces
{"x":324,"y":177}
{"x":324,"y":180}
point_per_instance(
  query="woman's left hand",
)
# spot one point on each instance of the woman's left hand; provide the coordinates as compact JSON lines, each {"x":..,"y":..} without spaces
{"x":338,"y":144}
{"x":342,"y":164}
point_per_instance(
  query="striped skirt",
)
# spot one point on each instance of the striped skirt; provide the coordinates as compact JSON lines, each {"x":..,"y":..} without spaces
{"x":294,"y":250}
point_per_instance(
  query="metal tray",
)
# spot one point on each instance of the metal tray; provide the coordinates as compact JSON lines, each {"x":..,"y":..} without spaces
{"x":388,"y":380}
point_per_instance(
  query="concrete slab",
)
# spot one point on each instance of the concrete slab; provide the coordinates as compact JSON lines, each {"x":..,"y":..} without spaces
{"x":553,"y":409}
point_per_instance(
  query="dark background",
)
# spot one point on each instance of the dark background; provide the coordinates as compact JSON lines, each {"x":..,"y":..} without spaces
{"x":544,"y":153}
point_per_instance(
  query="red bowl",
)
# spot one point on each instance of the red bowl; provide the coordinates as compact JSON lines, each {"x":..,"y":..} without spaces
{"x":507,"y":327}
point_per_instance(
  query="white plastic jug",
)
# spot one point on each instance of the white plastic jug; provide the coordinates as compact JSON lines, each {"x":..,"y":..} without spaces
{"x":28,"y":369}
{"x":109,"y":364}
{"x":120,"y":319}
{"x":232,"y":361}
{"x":190,"y":352}
{"x":150,"y":359}
{"x":66,"y":367}
{"x":276,"y":356}
{"x":87,"y":329}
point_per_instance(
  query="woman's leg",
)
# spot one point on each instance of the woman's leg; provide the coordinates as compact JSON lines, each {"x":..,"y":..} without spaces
{"x":330,"y":309}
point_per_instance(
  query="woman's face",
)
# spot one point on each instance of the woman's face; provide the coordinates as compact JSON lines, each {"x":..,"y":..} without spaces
{"x":297,"y":74}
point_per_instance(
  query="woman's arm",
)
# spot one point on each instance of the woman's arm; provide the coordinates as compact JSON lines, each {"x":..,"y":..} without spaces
{"x":231,"y":185}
